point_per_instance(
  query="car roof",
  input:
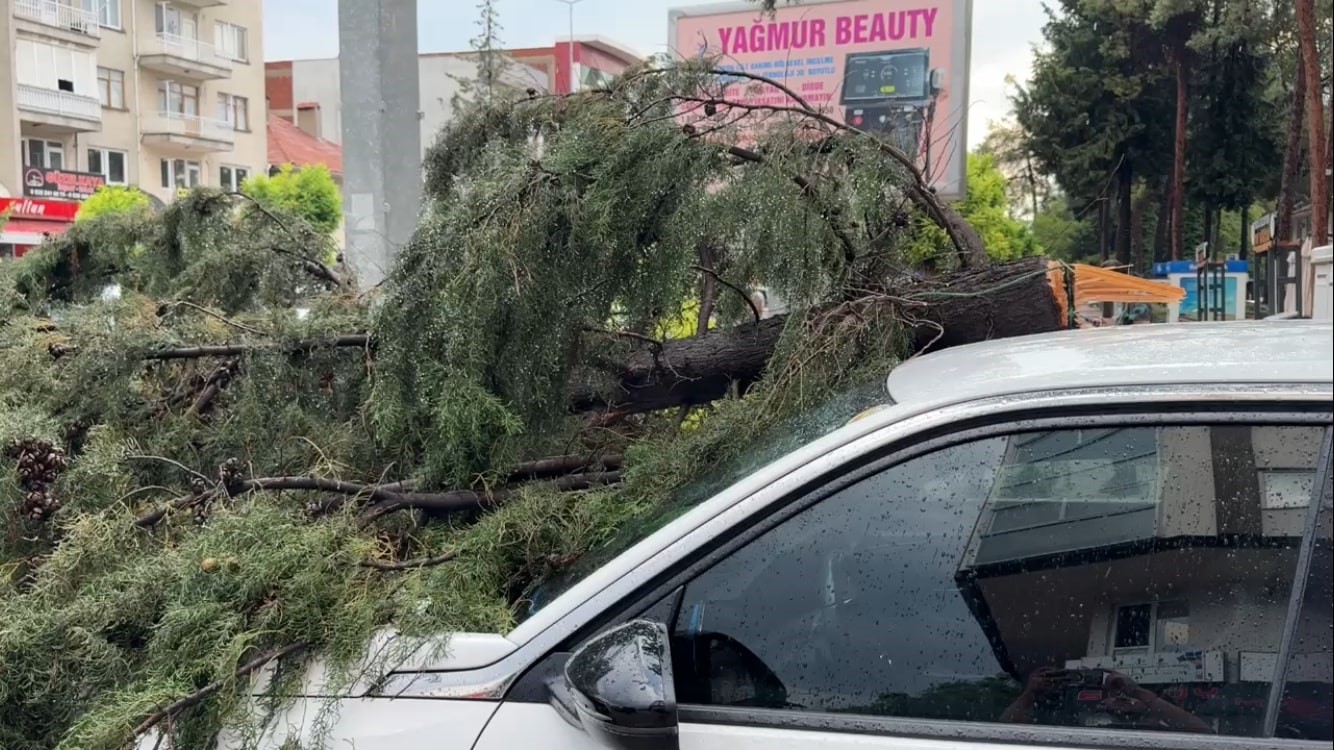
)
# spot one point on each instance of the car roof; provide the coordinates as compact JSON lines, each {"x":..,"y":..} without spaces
{"x":1249,"y":351}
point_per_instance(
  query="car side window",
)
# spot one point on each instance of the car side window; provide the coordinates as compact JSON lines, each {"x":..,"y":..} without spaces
{"x":1132,"y":578}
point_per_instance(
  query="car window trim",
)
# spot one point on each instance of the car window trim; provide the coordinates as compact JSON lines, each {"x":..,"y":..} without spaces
{"x":985,"y":734}
{"x":1298,"y":595}
{"x":674,"y":581}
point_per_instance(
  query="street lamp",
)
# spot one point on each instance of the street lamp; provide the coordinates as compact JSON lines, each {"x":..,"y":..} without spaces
{"x":570,"y":5}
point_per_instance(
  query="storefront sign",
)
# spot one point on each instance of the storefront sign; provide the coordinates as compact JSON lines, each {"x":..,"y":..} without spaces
{"x":42,"y":210}
{"x":897,"y":68}
{"x":60,"y":183}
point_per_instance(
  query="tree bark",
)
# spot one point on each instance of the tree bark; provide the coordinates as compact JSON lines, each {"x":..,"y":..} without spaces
{"x":1175,"y":227}
{"x":1104,"y":243}
{"x":1244,"y":241}
{"x":1315,"y":121}
{"x":1125,"y":183}
{"x":1011,"y":299}
{"x":1292,"y":162}
{"x":1162,"y":223}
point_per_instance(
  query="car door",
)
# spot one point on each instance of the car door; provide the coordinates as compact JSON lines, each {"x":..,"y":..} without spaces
{"x":1142,"y":580}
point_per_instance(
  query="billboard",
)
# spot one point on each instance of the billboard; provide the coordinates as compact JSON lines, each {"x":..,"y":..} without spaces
{"x":897,"y":68}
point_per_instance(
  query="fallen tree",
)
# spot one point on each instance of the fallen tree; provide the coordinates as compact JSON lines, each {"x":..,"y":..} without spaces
{"x":237,"y":457}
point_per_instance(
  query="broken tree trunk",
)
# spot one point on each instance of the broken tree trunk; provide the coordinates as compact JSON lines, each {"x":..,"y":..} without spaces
{"x":1012,"y":299}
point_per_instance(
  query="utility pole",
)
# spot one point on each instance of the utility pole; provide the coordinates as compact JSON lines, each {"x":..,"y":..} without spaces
{"x":569,"y":4}
{"x":381,"y":124}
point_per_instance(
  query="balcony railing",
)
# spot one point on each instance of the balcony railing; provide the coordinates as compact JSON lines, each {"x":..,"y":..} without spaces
{"x":175,"y":45}
{"x":60,"y":103}
{"x":59,"y":15}
{"x":190,"y":126}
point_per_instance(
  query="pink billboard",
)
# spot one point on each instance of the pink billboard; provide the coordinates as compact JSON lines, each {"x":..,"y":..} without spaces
{"x":896,"y":68}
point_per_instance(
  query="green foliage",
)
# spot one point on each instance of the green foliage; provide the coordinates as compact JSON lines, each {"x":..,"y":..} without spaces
{"x":309,"y":192}
{"x":201,"y":248}
{"x":1062,"y":235}
{"x":987,"y":208}
{"x":544,"y":218}
{"x":113,"y":199}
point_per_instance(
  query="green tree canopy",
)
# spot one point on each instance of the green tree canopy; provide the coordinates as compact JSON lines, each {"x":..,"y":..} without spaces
{"x":113,"y":199}
{"x":309,"y":192}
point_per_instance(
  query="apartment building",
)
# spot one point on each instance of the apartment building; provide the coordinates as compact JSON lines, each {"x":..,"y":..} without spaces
{"x":160,"y":95}
{"x":307,"y":92}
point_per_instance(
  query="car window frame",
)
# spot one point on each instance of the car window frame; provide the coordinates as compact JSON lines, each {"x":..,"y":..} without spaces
{"x":661,"y":598}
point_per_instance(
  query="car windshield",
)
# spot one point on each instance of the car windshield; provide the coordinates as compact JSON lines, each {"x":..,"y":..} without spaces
{"x":783,"y":438}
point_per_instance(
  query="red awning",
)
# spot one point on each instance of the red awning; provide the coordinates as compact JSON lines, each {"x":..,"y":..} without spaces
{"x":29,"y":232}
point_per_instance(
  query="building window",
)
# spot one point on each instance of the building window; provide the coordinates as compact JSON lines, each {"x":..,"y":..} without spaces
{"x":178,"y":98}
{"x":43,"y":154}
{"x":235,"y":111}
{"x":230,"y":41}
{"x":1157,"y":627}
{"x":173,"y":21}
{"x":180,"y":173}
{"x":231,"y":178}
{"x":56,"y":68}
{"x":111,"y":87}
{"x":1281,"y":489}
{"x":108,"y":13}
{"x":109,"y":163}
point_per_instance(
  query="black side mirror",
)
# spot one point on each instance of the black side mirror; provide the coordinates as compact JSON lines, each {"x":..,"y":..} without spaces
{"x":620,"y":688}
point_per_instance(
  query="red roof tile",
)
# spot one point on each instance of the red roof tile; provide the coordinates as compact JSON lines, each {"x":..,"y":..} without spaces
{"x":289,"y":144}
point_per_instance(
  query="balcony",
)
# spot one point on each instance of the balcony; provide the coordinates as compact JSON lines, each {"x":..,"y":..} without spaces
{"x":201,"y":3}
{"x":189,"y":132}
{"x":183,"y":57}
{"x":62,"y":111}
{"x":51,"y":19}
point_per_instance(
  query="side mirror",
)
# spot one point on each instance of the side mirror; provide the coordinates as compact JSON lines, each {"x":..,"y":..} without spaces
{"x":620,"y":688}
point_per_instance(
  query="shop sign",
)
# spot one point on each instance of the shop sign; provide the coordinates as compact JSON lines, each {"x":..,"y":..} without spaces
{"x":35,"y":208}
{"x":61,"y":184}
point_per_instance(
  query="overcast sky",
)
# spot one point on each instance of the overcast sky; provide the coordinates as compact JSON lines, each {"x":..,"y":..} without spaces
{"x":1003,"y":34}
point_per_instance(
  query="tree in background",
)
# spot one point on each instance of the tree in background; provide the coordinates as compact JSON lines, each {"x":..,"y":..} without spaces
{"x":113,"y":199}
{"x":309,"y":192}
{"x":1027,"y":188}
{"x":1318,"y":158}
{"x":488,"y":83}
{"x":1092,"y":107}
{"x":988,"y":208}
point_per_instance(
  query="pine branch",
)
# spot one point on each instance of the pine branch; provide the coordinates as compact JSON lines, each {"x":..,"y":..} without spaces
{"x":425,"y":562}
{"x":356,"y":340}
{"x":381,"y":501}
{"x":245,"y":670}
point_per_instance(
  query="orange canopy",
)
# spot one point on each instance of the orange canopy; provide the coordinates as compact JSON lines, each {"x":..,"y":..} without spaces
{"x":1093,"y":284}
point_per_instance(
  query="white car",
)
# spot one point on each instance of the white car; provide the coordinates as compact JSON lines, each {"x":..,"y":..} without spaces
{"x":1093,"y":539}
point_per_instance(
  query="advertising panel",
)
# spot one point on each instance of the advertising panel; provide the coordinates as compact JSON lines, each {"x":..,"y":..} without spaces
{"x":897,"y":68}
{"x":61,"y":184}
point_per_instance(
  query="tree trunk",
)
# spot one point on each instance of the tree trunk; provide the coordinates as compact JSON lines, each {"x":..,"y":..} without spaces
{"x":1125,"y":185}
{"x":1009,"y":299}
{"x":1315,"y":121}
{"x":1104,"y":244}
{"x":1292,"y":162}
{"x":1179,"y":154}
{"x":1162,"y":223}
{"x":1209,"y":231}
{"x":1244,"y":242}
{"x":1138,"y":207}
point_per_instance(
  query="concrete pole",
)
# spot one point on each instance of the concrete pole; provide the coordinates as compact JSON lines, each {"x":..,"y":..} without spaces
{"x":381,"y":103}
